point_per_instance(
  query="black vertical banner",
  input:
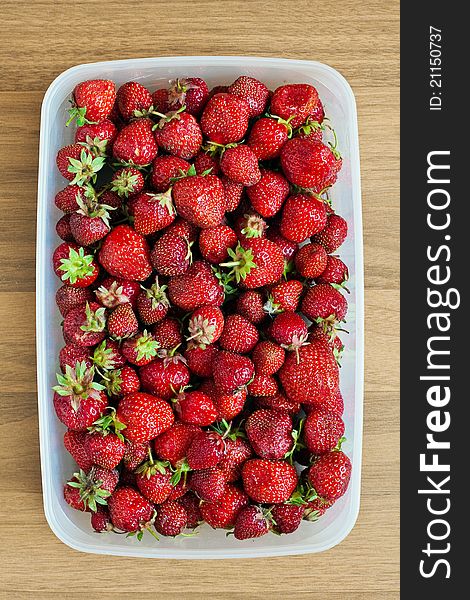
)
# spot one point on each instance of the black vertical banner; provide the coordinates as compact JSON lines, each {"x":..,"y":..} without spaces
{"x":435,"y":249}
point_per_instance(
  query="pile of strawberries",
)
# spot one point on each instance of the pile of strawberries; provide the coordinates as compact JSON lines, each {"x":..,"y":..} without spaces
{"x":201,"y":300}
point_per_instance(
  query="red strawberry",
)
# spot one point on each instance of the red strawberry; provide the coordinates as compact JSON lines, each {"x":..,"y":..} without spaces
{"x":208,"y":484}
{"x":68,"y":297}
{"x":121,"y":382}
{"x":127,"y":181}
{"x":154,"y":480}
{"x":289,"y":330}
{"x":105,"y":449}
{"x":125,"y":253}
{"x":171,"y":254}
{"x":330,"y":475}
{"x":144,"y":415}
{"x":190,"y":92}
{"x":225,"y":118}
{"x":63,"y":229}
{"x":152,"y":303}
{"x":197,"y":287}
{"x":288,"y":247}
{"x":195,"y":408}
{"x":250,"y":305}
{"x":322,"y":431}
{"x":287,"y":517}
{"x":311,"y":165}
{"x":257,"y":263}
{"x":129,"y":511}
{"x":70,"y":354}
{"x":268,"y":195}
{"x":233,"y":193}
{"x":160,"y":100}
{"x":284,"y":296}
{"x":254,"y":93}
{"x":77,"y":164}
{"x":140,"y":349}
{"x":251,"y":522}
{"x":135,"y":143}
{"x":333,"y":403}
{"x":316,"y":508}
{"x":179,"y":489}
{"x":173,"y":444}
{"x":238,"y":335}
{"x":100,"y":520}
{"x":90,"y":223}
{"x":311,"y":260}
{"x":167,"y":333}
{"x":66,"y":199}
{"x":302,"y":217}
{"x":263,"y":385}
{"x":311,"y":130}
{"x":333,"y":234}
{"x":133,"y":100}
{"x":200,"y":199}
{"x":241,"y":165}
{"x":200,"y":360}
{"x":94,"y":100}
{"x":86,"y":491}
{"x":122,"y":322}
{"x":223,"y":512}
{"x":324,"y":304}
{"x":270,"y":481}
{"x":171,"y":518}
{"x":74,"y":265}
{"x":278,"y":402}
{"x":164,"y":169}
{"x":335,"y":272}
{"x":74,"y":442}
{"x":267,"y":137}
{"x":215,"y":241}
{"x":205,"y":325}
{"x":114,"y":291}
{"x":165,"y":375}
{"x":232,"y":371}
{"x":93,"y":134}
{"x":204,"y":161}
{"x":78,"y":400}
{"x":296,"y":100}
{"x":270,"y":433}
{"x":179,"y":134}
{"x":85,"y":325}
{"x":268,"y":358}
{"x":190,"y":503}
{"x":237,"y":451}
{"x":206,"y":450}
{"x":311,"y":377}
{"x":108,"y":355}
{"x":228,"y":406}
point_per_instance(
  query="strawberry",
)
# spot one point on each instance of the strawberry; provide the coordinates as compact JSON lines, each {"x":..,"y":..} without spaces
{"x":173,"y":444}
{"x":63,"y":229}
{"x":208,"y":484}
{"x":90,"y":223}
{"x":311,"y":130}
{"x":70,"y":354}
{"x":77,"y":164}
{"x":100,"y":520}
{"x":267,"y":357}
{"x":78,"y":400}
{"x":302,"y":217}
{"x":238,"y":335}
{"x":165,"y":375}
{"x":140,"y":349}
{"x":257,"y":263}
{"x":120,"y":382}
{"x":74,"y":442}
{"x":311,"y":260}
{"x":166,"y":168}
{"x":195,"y":408}
{"x":287,"y":247}
{"x":68,"y":297}
{"x":179,"y":134}
{"x":287,"y":517}
{"x":86,"y":491}
{"x":233,"y":193}
{"x":334,"y":403}
{"x":316,"y":508}
{"x":223,"y":512}
{"x":135,"y":143}
{"x":144,"y":415}
{"x":167,"y":333}
{"x":85,"y":325}
{"x":133,"y":100}
{"x":330,"y":475}
{"x":179,"y":489}
{"x":284,"y":296}
{"x":185,"y":229}
{"x":190,"y":502}
{"x":250,"y":305}
{"x":114,"y":291}
{"x":268,"y":195}
{"x":263,"y":385}
{"x":153,"y":480}
{"x":335,"y":272}
{"x":312,"y":376}
{"x":324,"y":304}
{"x":206,"y":450}
{"x":296,"y":101}
{"x":278,"y":402}
{"x":250,"y":225}
{"x":160,"y":100}
{"x":205,"y":162}
{"x":270,"y":481}
{"x":251,"y":522}
{"x":333,"y":234}
{"x":289,"y":330}
{"x":190,"y":92}
{"x":110,"y":199}
{"x":108,"y":355}
{"x":122,"y":322}
{"x":322,"y":431}
{"x":200,"y":360}
{"x":308,"y":164}
{"x":214,"y":243}
{"x":127,"y":181}
{"x":200,"y":199}
{"x":105,"y":449}
{"x":152,"y":303}
{"x":225,"y":118}
{"x":241,"y":165}
{"x":205,"y":326}
{"x":171,"y":254}
{"x":228,"y":406}
{"x":129,"y":511}
{"x":237,"y":451}
{"x":93,"y":101}
{"x":269,"y":433}
{"x":74,"y":265}
{"x":268,"y":136}
{"x":92,"y":134}
{"x":253,"y":92}
{"x":66,"y":199}
{"x":171,"y":518}
{"x":231,"y":371}
{"x":197,"y":287}
{"x":125,"y":253}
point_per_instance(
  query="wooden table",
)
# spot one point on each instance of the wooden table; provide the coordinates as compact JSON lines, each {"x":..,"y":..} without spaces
{"x":40,"y":39}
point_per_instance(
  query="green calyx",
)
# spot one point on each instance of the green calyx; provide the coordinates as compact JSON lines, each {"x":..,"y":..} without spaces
{"x":152,"y":466}
{"x":112,"y":381}
{"x":77,"y":266}
{"x":255,"y":226}
{"x":226,"y":281}
{"x":139,"y":533}
{"x":103,"y":357}
{"x":309,"y":126}
{"x":93,"y":209}
{"x":109,"y":423}
{"x":297,"y":444}
{"x":78,"y":384}
{"x":86,"y":168}
{"x":164,"y":119}
{"x":157,"y":294}
{"x":272,"y":308}
{"x":285,"y":122}
{"x":78,"y":114}
{"x":224,"y":429}
{"x":125,"y":183}
{"x":95,"y":319}
{"x":146,"y":346}
{"x":214,"y":149}
{"x":165,"y":200}
{"x":181,"y":470}
{"x":242,"y":262}
{"x":303,"y":494}
{"x":91,"y":492}
{"x":95,"y":145}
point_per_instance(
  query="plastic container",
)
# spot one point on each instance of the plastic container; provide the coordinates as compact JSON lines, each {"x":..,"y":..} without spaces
{"x":73,"y":527}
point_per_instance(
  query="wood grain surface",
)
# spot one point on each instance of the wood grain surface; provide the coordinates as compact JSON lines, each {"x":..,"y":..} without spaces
{"x":38,"y":40}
